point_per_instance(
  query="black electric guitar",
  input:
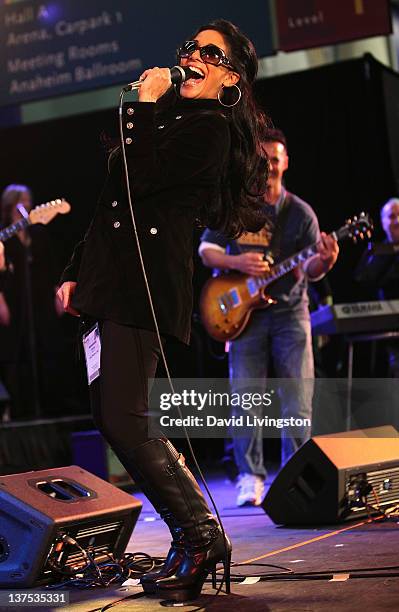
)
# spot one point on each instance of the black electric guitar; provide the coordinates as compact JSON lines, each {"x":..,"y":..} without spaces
{"x":227,"y":300}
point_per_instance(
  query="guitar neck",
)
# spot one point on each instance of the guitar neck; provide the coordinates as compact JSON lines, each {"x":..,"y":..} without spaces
{"x":286,"y":266}
{"x":11,"y":230}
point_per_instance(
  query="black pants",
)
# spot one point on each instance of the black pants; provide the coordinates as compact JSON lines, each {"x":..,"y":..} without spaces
{"x":129,"y":357}
{"x":119,"y":396}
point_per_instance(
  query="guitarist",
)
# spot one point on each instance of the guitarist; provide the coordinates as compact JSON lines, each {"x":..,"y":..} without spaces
{"x":283,"y":330}
{"x":31,"y":342}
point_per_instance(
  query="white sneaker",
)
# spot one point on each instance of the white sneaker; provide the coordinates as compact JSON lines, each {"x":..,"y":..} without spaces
{"x":251,"y":490}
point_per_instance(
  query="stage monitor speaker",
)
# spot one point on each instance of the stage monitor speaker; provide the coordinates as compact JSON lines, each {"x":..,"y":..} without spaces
{"x":337,"y":477}
{"x":39,"y":509}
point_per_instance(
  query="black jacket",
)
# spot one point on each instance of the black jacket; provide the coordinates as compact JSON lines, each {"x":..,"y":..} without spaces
{"x":381,"y":273}
{"x":176,"y":163}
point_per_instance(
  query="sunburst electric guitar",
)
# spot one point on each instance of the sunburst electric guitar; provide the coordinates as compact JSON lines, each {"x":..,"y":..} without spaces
{"x":227,"y":300}
{"x":44,"y":213}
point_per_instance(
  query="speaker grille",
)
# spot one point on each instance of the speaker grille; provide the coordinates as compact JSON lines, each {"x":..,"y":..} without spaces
{"x":385,"y":484}
{"x":98,"y":529}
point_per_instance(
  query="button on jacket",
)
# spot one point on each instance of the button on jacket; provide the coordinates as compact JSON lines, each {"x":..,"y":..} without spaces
{"x":176,"y":163}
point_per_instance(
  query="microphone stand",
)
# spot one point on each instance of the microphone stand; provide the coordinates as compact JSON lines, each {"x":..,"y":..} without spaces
{"x":31,"y":322}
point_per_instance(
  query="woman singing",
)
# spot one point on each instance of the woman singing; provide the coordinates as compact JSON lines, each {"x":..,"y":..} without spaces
{"x":192,"y":153}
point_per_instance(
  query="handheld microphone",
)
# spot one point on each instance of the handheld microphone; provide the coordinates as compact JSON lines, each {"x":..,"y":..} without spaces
{"x":177,"y":74}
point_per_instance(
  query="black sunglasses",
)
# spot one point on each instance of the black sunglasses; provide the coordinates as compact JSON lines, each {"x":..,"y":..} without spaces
{"x":211,"y":54}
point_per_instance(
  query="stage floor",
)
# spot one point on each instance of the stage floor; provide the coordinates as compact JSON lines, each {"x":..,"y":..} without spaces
{"x":357,"y":545}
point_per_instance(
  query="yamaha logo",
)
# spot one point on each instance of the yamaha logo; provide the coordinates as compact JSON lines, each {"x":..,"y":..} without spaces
{"x":362,"y":308}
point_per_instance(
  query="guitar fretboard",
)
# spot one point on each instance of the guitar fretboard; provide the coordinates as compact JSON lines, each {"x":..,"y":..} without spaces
{"x":289,"y":264}
{"x":9,"y":231}
{"x":286,"y":266}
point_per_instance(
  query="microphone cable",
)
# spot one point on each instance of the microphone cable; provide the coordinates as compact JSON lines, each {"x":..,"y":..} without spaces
{"x":163,"y":356}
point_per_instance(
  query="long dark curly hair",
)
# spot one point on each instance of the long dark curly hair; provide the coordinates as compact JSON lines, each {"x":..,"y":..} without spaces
{"x":240,"y":208}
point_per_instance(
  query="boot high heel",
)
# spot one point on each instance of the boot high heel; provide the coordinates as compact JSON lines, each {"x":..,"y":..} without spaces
{"x":199,"y":560}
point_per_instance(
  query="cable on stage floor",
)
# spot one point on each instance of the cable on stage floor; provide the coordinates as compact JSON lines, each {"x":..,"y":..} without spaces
{"x":112,"y":572}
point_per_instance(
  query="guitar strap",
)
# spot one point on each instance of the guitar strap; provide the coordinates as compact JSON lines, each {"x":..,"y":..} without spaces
{"x":279,"y":225}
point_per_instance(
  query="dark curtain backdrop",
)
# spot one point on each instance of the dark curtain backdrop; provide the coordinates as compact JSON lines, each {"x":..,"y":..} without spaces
{"x":341,"y":122}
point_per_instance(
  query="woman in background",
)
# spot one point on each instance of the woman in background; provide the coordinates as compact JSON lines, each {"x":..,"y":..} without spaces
{"x":30,"y":341}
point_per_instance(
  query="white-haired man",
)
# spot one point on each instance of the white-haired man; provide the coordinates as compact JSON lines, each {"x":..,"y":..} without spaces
{"x":382,"y":271}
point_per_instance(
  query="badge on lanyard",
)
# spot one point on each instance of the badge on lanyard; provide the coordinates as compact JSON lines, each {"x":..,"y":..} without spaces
{"x":92,"y":349}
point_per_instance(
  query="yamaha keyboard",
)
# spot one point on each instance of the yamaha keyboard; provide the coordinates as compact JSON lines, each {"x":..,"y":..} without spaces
{"x":356,"y":318}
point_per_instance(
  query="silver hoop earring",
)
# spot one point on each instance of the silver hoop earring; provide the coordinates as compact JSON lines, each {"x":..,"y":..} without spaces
{"x":236,"y":102}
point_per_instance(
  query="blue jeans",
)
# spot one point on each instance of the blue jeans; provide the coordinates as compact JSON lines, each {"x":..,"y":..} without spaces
{"x":286,"y":337}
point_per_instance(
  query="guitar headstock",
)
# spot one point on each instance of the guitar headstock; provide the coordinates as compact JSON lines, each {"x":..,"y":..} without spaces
{"x":46,"y":212}
{"x":357,"y":228}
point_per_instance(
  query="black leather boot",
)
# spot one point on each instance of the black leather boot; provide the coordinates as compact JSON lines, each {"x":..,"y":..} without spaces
{"x":161,"y":466}
{"x":176,"y":551}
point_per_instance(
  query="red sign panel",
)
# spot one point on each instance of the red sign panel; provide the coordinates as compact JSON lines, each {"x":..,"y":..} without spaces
{"x":314,"y":23}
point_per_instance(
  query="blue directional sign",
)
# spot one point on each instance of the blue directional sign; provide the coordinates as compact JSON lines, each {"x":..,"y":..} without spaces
{"x":63,"y":46}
